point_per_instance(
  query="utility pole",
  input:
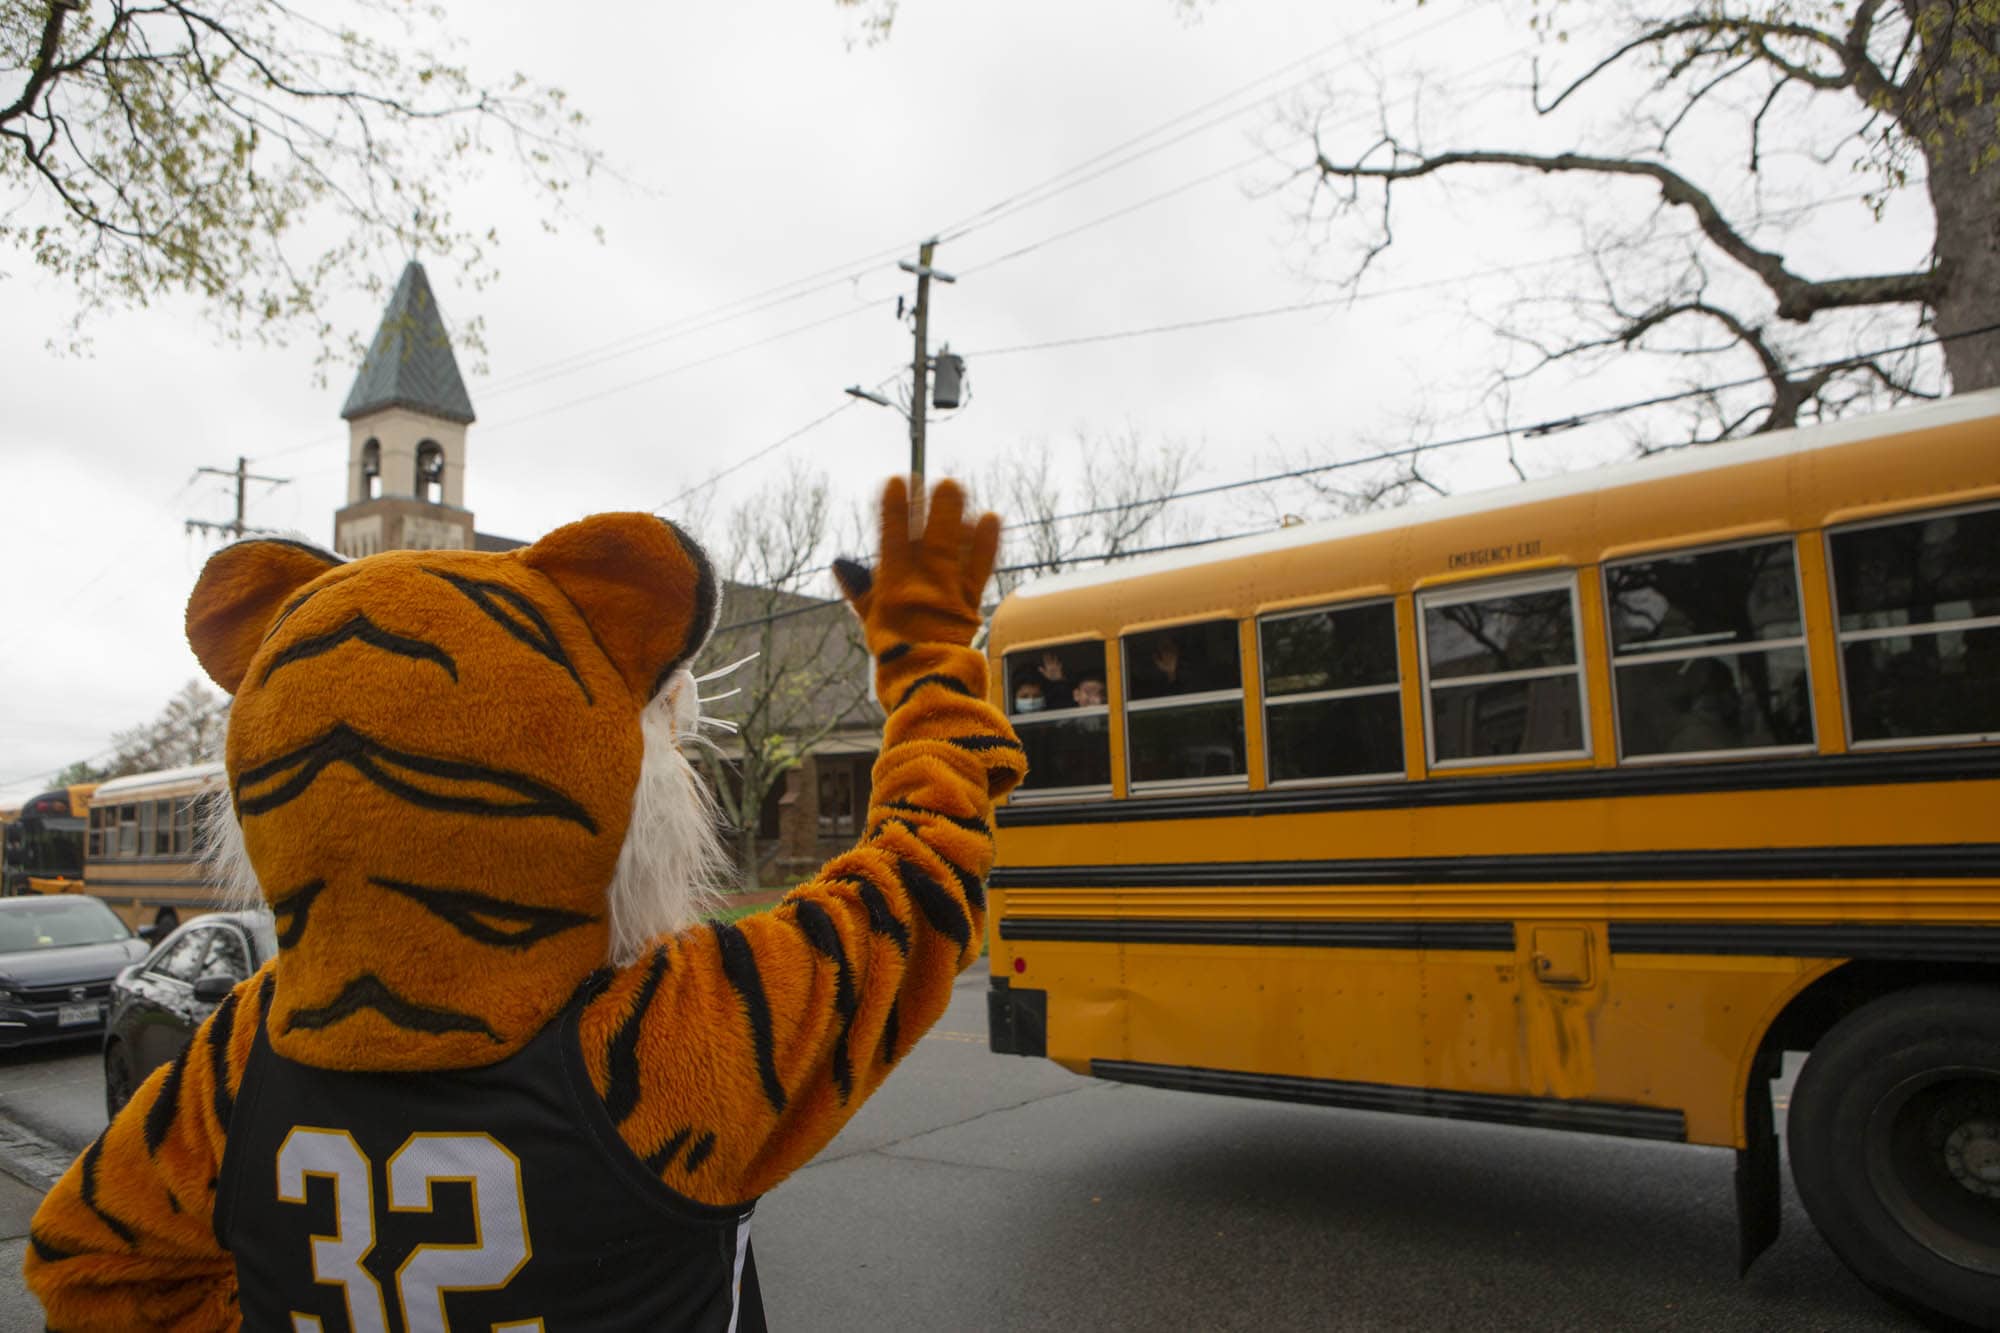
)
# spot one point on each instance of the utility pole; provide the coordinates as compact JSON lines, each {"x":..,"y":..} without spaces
{"x":235,"y":528}
{"x":920,"y":371}
{"x":920,"y":384}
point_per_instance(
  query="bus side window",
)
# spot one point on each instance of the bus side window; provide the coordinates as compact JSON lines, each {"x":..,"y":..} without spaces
{"x":94,"y":847}
{"x":128,"y":830}
{"x":1184,"y":704}
{"x":1708,"y":653}
{"x":1504,"y":676}
{"x":1057,"y":702}
{"x":1919,"y":627}
{"x":1332,"y":698}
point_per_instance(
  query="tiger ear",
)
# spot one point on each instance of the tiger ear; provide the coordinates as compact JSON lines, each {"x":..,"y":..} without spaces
{"x":645,"y":588}
{"x":242,"y":589}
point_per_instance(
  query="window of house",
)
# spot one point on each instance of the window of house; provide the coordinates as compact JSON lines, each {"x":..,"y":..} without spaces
{"x":1918,"y":605}
{"x":1708,"y":653}
{"x":1503,"y":676}
{"x":1332,"y":698}
{"x":1058,"y":703}
{"x":430,"y":472}
{"x":836,"y":798}
{"x":1184,"y":705}
{"x":770,"y":815}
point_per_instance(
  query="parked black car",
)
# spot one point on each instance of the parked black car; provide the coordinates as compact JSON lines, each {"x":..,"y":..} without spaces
{"x":157,"y":1004}
{"x":58,"y":954}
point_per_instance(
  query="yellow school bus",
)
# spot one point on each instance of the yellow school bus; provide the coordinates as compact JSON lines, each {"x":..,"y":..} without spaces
{"x":41,"y":841}
{"x":1574,"y":804}
{"x":140,"y":854}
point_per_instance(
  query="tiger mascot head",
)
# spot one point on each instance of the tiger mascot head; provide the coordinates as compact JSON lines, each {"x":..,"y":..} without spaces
{"x":456,"y":778}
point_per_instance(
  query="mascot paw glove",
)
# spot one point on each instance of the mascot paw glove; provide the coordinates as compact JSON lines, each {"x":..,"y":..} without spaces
{"x":926,"y":585}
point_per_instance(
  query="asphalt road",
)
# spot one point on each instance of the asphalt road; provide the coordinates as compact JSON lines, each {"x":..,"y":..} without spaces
{"x":989,"y":1192}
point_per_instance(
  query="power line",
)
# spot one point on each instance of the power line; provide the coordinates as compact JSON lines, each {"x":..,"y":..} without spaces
{"x":776,"y":616}
{"x":556,"y":370}
{"x":1355,"y":298}
{"x":1069,"y":179}
{"x":1549,"y":427}
{"x":1110,"y":336}
{"x":768,"y":449}
{"x":684,"y":366}
{"x":1134,"y":551}
{"x":850,"y":271}
{"x":776,"y":444}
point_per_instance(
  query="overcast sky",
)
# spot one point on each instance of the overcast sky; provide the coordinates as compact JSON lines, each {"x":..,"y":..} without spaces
{"x":760,"y":144}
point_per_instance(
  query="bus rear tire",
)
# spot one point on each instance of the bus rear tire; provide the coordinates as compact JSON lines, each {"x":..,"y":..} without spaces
{"x":165,"y":922}
{"x":1894,"y":1133}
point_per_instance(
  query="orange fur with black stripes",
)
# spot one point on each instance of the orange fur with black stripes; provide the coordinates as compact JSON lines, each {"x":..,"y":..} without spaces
{"x":433,"y":759}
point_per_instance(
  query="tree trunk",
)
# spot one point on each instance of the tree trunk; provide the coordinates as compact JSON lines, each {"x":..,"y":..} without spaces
{"x":1964,"y":180}
{"x":747,"y":859}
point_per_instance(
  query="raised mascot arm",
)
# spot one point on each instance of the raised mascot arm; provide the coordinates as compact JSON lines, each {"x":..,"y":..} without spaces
{"x":731,"y":1053}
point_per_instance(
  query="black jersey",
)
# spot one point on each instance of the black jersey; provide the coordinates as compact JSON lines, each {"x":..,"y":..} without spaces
{"x":499,"y":1198}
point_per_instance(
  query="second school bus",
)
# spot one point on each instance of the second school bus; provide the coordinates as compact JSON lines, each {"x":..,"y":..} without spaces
{"x":140,"y":853}
{"x":1575,"y":804}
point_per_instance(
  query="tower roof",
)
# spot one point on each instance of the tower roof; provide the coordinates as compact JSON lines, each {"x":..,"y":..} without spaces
{"x":410,"y":364}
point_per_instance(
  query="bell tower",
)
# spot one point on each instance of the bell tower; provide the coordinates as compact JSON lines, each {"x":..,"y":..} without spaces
{"x":406,"y":418}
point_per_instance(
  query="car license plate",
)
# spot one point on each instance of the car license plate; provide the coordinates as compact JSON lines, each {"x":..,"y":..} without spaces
{"x":68,"y":1015}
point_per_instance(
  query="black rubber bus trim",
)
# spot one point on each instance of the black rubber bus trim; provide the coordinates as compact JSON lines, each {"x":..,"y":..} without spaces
{"x":1636,"y":1122}
{"x":1576,"y":784}
{"x":1934,"y":944}
{"x":1976,"y":860}
{"x":1493,"y":936}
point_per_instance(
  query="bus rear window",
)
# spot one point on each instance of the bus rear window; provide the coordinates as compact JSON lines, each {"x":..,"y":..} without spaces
{"x":1919,"y":627}
{"x":1056,"y":700}
{"x":1505,"y":680}
{"x":1184,"y":705}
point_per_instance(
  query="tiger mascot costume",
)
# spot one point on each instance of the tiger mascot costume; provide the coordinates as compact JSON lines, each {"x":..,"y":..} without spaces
{"x":502,"y":1075}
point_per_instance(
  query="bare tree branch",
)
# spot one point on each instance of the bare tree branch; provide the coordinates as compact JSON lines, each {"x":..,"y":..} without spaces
{"x":1798,"y":298}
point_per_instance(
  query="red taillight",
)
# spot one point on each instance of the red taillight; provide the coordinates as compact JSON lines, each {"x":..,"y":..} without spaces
{"x":1020,"y":964}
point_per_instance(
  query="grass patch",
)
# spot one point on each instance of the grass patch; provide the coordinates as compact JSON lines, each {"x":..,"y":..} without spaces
{"x":733,"y":911}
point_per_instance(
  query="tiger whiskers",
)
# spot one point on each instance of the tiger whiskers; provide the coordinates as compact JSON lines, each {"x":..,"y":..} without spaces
{"x":219,"y":846}
{"x":673,"y":865}
{"x":719,"y":723}
{"x":720,"y":672}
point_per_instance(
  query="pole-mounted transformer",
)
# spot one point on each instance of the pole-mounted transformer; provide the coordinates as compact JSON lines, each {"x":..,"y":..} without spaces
{"x":948,"y":377}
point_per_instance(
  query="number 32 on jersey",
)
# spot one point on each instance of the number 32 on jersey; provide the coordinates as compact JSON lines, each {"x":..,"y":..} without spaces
{"x":498,"y":1251}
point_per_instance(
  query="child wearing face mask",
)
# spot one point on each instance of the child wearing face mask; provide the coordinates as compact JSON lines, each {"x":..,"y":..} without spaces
{"x":1028,"y":697}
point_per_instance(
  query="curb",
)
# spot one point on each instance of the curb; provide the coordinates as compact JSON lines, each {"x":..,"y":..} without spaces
{"x":31,"y":1159}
